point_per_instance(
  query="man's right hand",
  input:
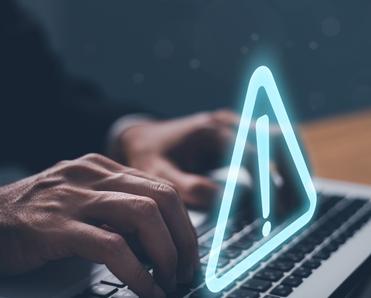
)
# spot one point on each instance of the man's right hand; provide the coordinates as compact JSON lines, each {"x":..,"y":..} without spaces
{"x":85,"y":207}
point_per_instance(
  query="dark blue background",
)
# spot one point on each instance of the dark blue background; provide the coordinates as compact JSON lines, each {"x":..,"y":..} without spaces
{"x":180,"y":56}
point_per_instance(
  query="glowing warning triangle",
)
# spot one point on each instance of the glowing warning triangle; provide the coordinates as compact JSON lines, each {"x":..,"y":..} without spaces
{"x":261,"y":78}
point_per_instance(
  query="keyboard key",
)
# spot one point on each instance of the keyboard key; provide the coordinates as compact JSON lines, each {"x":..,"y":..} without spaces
{"x":281,"y":290}
{"x":270,"y":275}
{"x":243,"y":276}
{"x":331,"y":247}
{"x":228,"y":235}
{"x":292,"y":281}
{"x":292,"y":256}
{"x":254,"y":235}
{"x":257,"y":285}
{"x":113,"y":281}
{"x":242,"y":244}
{"x":302,"y":272}
{"x":303,"y":248}
{"x":234,"y":228}
{"x":205,"y":293}
{"x":204,"y":261}
{"x":312,"y":238}
{"x":281,"y":265}
{"x":244,"y":293}
{"x":348,"y":233}
{"x":340,"y":239}
{"x":222,"y":262}
{"x":203,"y":269}
{"x":203,"y":251}
{"x":322,"y":255}
{"x":125,"y":293}
{"x":312,"y":264}
{"x":207,"y":243}
{"x":230,"y":287}
{"x":231,"y":253}
{"x":102,"y":290}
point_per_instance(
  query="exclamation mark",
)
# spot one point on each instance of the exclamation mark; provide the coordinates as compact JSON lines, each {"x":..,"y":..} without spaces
{"x":262,"y":139}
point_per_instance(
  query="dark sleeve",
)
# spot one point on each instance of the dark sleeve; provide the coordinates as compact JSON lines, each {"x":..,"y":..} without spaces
{"x":45,"y":115}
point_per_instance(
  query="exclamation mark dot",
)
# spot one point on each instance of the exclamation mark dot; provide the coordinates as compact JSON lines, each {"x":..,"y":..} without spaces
{"x":266,"y":228}
{"x":262,"y":140}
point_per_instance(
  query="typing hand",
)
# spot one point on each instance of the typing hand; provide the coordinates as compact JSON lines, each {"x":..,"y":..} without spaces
{"x":86,"y":207}
{"x":182,"y":150}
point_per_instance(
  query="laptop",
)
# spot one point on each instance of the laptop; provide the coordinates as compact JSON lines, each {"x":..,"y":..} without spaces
{"x":324,"y":259}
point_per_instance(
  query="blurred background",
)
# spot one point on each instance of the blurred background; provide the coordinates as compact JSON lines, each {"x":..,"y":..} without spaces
{"x":179,"y":56}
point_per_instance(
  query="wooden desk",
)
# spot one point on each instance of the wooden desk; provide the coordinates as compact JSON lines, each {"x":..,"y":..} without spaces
{"x":340,"y":147}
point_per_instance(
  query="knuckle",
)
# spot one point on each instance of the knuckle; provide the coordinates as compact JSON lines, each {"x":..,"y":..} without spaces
{"x":73,"y":166}
{"x":48,"y":183}
{"x":63,"y":190}
{"x":147,"y":207}
{"x":140,"y":275}
{"x":114,"y":244}
{"x":208,"y":118}
{"x":166,"y":191}
{"x":81,"y":170}
{"x":96,"y":158}
{"x":63,"y":163}
{"x":92,"y":156}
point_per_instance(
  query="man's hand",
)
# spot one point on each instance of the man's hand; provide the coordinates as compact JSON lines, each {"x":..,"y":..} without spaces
{"x":86,"y":207}
{"x":181,"y":150}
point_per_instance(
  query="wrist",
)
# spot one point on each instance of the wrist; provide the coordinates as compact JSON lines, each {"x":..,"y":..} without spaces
{"x":132,"y":147}
{"x":116,"y":142}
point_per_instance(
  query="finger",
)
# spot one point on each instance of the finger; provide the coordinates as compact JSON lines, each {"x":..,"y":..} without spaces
{"x":132,"y":213}
{"x":196,"y":191}
{"x":227,"y":138}
{"x":216,"y":137}
{"x":190,"y":124}
{"x":141,"y":174}
{"x":103,"y":161}
{"x":172,"y":211}
{"x":226,"y":117}
{"x":213,"y":144}
{"x":113,"y":168}
{"x":112,"y":250}
{"x":157,"y":180}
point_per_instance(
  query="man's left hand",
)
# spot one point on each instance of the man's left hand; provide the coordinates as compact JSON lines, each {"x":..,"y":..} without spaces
{"x":182,"y":151}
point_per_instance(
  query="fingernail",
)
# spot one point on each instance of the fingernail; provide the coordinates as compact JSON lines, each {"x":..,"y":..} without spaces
{"x":158,"y":293}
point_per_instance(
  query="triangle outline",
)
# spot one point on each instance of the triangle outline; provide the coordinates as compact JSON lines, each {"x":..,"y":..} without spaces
{"x":261,"y":78}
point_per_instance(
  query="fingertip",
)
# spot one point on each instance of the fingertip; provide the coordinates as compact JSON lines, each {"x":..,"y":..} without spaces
{"x":227,"y":116}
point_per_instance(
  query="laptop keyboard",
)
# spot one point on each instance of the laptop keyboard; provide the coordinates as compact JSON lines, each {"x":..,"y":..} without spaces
{"x":278,"y":274}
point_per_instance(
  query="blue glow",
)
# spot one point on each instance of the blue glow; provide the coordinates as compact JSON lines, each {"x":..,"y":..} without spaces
{"x":261,"y":78}
{"x":266,"y":228}
{"x":262,"y":140}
